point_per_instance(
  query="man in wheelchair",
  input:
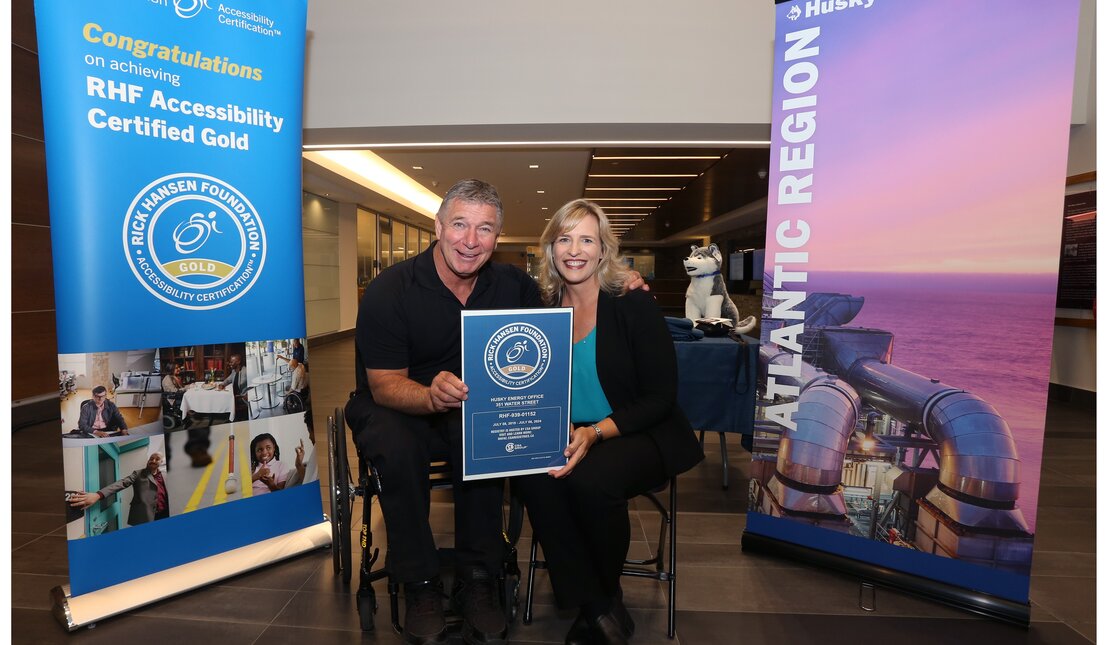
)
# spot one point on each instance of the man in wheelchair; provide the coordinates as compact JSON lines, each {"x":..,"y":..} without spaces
{"x":296,"y":397}
{"x":408,"y":349}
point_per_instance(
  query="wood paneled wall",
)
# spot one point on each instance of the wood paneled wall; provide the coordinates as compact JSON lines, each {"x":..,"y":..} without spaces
{"x":34,"y":341}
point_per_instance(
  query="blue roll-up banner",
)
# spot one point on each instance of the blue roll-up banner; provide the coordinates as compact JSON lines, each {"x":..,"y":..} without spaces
{"x":918,"y":154}
{"x":173,"y":134}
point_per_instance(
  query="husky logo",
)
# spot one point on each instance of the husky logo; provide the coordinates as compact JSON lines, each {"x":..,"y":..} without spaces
{"x":822,"y":7}
{"x":517,"y":356}
{"x":189,"y":8}
{"x":194,"y":241}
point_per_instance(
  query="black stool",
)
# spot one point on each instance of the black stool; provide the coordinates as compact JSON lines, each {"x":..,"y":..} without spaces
{"x":652,"y":567}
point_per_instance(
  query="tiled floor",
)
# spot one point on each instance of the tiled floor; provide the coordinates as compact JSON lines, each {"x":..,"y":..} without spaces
{"x":725,"y":595}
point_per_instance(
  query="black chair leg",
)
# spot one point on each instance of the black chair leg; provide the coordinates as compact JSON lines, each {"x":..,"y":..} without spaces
{"x":653,"y":567}
{"x":394,"y":607}
{"x":671,"y":520}
{"x":533,"y":564}
{"x":724,"y":462}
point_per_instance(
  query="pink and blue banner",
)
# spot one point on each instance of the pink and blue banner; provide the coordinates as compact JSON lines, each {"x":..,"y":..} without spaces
{"x":173,"y":134}
{"x":918,"y":160}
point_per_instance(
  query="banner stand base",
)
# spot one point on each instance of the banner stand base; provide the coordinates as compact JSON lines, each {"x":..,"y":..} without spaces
{"x":958,"y":597}
{"x":74,"y":612}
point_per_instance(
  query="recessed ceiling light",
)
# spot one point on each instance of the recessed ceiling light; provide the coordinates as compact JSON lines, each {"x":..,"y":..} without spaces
{"x":418,"y":167}
{"x":714,"y":143}
{"x":663,"y":157}
{"x":533,"y":165}
{"x":543,"y":208}
{"x":539,"y":192}
{"x":654,"y":176}
{"x":630,"y":199}
{"x":631,"y":188}
{"x":371,"y":171}
{"x":641,"y":206}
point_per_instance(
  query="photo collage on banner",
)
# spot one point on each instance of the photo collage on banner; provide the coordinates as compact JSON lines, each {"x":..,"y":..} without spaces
{"x":910,"y":279}
{"x":173,"y":135}
{"x":215,"y":419}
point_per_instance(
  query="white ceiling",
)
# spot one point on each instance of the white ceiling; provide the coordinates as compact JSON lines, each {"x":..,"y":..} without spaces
{"x":561,"y":175}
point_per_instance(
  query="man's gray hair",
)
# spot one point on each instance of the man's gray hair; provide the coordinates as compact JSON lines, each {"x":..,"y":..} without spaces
{"x":474,"y":191}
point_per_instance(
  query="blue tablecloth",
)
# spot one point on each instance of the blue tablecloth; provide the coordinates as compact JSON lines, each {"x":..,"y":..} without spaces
{"x":716,"y":383}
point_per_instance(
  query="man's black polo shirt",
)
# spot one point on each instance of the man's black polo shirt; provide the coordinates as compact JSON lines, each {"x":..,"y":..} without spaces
{"x":409,"y":318}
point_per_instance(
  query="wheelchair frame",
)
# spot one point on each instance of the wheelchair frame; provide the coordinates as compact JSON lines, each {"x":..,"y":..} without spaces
{"x":342,"y":493}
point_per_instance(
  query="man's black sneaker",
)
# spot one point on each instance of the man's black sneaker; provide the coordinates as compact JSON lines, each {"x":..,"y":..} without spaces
{"x":424,"y":624}
{"x":624,"y":619}
{"x":480,"y":606}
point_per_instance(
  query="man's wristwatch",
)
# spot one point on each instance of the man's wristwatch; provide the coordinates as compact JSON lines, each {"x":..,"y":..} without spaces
{"x":597,"y":430}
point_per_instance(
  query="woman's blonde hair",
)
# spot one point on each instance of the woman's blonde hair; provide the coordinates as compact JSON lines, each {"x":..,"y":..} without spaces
{"x":611,"y":272}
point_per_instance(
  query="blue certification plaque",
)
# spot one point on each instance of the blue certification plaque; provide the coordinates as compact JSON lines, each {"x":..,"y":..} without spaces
{"x":516,"y":364}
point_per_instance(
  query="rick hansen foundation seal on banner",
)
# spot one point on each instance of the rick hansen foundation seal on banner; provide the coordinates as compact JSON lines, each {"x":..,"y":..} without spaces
{"x":194,"y":241}
{"x":517,"y":356}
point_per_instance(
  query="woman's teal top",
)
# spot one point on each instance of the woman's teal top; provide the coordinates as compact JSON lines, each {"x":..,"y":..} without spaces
{"x":587,"y":400}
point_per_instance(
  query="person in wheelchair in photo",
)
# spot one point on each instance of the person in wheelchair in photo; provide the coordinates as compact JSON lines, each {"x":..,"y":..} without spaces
{"x":296,"y":397}
{"x":406,"y":409}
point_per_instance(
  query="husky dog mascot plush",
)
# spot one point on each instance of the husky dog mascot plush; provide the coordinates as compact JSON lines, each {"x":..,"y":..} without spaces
{"x":707,"y":296}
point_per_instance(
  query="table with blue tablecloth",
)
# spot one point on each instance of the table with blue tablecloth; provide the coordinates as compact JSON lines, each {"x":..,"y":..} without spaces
{"x":716,"y":386}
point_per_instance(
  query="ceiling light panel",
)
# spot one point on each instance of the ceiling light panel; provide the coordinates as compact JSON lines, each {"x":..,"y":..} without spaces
{"x":371,"y":171}
{"x":629,"y":176}
{"x":548,"y":143}
{"x":653,"y":188}
{"x":659,"y":157}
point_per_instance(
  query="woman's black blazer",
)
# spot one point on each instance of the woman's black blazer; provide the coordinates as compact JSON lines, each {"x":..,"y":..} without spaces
{"x":639,"y":374}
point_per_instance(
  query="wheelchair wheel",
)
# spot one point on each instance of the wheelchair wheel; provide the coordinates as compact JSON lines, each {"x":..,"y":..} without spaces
{"x":293,"y":403}
{"x":510,"y":598}
{"x":340,"y":497}
{"x":333,"y":496}
{"x":367,"y":607}
{"x":512,"y":525}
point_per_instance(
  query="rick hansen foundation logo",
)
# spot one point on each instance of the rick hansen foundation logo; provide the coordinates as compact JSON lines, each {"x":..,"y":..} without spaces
{"x":517,"y":356}
{"x":194,"y":241}
{"x":188,"y":8}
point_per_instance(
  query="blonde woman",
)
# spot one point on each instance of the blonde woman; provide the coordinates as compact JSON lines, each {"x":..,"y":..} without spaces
{"x":628,"y":435}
